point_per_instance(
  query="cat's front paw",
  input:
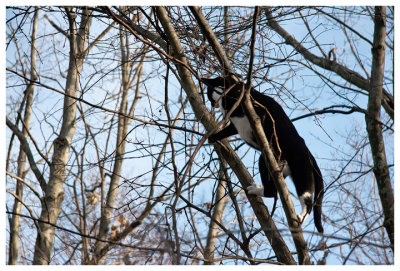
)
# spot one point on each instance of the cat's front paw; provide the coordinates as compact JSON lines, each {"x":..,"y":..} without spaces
{"x":257,"y":190}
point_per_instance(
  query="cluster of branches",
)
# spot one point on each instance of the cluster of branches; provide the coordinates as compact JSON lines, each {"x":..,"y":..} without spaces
{"x":114,"y":166}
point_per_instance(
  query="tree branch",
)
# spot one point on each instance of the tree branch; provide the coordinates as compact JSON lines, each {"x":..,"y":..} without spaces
{"x":344,"y":72}
{"x":99,"y":37}
{"x":28,"y":152}
{"x":56,"y":26}
{"x":331,"y":110}
{"x":25,"y":183}
{"x":213,"y":41}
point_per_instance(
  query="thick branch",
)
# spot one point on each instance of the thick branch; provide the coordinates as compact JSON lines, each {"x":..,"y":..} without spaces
{"x":218,"y":213}
{"x":273,"y":168}
{"x":260,"y":210}
{"x":15,"y":222}
{"x":54,"y":194}
{"x":123,"y":123}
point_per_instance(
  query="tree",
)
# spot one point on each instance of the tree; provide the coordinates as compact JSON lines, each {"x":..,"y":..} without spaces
{"x":28,"y":98}
{"x":121,"y":172}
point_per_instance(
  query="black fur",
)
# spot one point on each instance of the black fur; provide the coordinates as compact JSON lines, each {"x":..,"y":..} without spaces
{"x":304,"y":170}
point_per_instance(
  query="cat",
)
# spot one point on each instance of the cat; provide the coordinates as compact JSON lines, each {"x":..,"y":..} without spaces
{"x":295,"y":158}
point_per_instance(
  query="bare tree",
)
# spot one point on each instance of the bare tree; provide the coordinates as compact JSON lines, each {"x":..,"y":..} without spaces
{"x":115,"y":135}
{"x":53,"y":193}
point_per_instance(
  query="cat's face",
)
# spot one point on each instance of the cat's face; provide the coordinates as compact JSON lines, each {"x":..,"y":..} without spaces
{"x":215,"y":88}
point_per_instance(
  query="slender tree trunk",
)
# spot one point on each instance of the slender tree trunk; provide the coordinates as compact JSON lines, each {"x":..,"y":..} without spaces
{"x":54,"y":195}
{"x":218,"y":214}
{"x":123,"y":123}
{"x":15,"y":220}
{"x":374,"y":128}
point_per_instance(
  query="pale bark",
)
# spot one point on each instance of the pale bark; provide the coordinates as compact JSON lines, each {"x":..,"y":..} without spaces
{"x":15,"y":222}
{"x":218,"y":214}
{"x":373,"y":120}
{"x":54,"y":195}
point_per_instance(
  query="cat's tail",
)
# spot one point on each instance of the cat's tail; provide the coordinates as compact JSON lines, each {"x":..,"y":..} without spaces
{"x":318,"y":196}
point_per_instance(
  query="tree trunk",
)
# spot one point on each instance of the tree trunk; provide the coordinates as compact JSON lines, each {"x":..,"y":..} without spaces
{"x":374,"y":128}
{"x":54,"y":195}
{"x":123,"y":123}
{"x":15,"y":220}
{"x":217,"y":215}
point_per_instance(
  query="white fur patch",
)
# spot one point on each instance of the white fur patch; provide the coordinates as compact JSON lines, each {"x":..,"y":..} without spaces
{"x":220,"y":90}
{"x":304,"y":215}
{"x":242,"y":125}
{"x":257,"y":190}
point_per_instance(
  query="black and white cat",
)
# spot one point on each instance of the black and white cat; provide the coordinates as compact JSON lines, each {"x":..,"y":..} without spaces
{"x":296,"y":160}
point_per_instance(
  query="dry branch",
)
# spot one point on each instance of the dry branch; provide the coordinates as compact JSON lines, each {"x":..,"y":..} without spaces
{"x":344,"y":72}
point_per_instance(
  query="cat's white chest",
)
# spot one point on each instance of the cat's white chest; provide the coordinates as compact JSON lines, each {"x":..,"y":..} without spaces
{"x":242,"y":125}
